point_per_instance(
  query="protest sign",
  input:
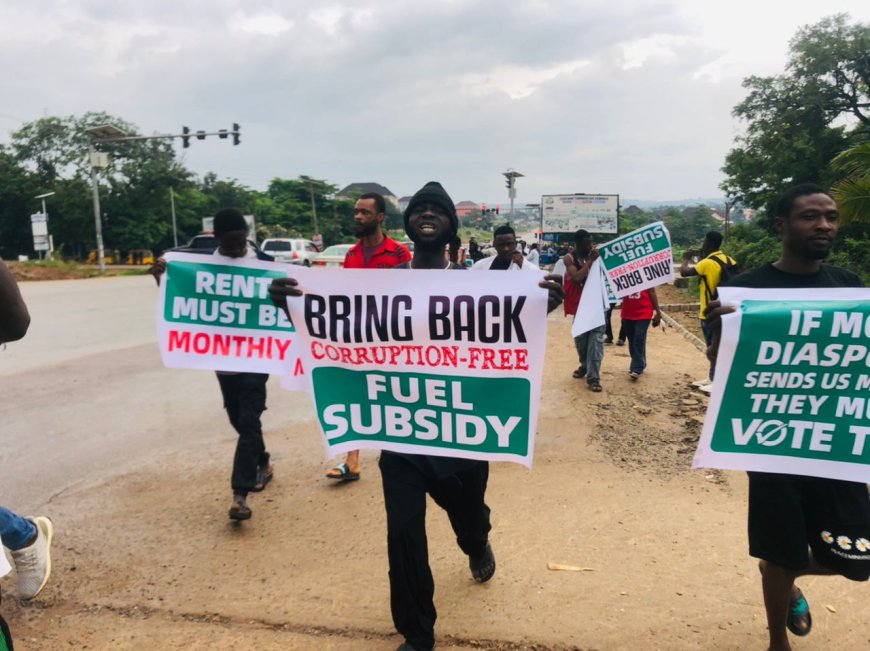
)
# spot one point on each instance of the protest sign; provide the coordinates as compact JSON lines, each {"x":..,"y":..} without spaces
{"x":214,"y":313}
{"x":424,"y":362}
{"x":792,"y":388}
{"x":594,"y":301}
{"x":638,"y":260}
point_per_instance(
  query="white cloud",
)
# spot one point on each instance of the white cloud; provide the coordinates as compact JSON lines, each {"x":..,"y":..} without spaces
{"x":628,"y":96}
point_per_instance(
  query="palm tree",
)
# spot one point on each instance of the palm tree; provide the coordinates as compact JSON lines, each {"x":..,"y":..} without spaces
{"x":852,"y":193}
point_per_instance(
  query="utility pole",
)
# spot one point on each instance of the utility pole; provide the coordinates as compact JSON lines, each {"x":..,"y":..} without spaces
{"x":311,"y":182}
{"x":172,"y":205}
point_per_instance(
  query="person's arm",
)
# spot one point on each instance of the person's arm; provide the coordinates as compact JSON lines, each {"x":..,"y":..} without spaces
{"x":158,"y":269}
{"x":657,"y":317}
{"x":556,"y":292}
{"x":686,"y":269}
{"x":14,"y":317}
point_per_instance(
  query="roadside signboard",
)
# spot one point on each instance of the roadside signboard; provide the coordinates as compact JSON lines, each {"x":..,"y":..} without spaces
{"x":567,"y":213}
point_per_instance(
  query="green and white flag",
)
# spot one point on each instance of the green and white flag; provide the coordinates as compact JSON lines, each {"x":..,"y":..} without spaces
{"x":792,"y":388}
{"x":214,"y":312}
{"x":423,"y":361}
{"x":638,"y":260}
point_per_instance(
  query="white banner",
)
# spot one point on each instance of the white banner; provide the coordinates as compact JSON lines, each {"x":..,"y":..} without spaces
{"x":792,"y":388}
{"x":423,"y":361}
{"x":594,"y":301}
{"x":214,"y":312}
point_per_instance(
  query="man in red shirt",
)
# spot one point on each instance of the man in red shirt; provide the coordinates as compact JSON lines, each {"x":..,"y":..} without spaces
{"x":375,"y":250}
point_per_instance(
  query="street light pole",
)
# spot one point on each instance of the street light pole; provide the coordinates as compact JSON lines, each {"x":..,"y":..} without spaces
{"x":511,"y":175}
{"x":98,"y":222}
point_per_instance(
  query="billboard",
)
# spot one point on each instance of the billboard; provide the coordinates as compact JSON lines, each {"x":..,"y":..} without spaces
{"x":566,"y":213}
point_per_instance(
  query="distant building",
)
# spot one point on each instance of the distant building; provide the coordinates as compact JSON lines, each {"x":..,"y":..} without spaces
{"x":465,"y":207}
{"x":356,"y":189}
{"x":403,"y":203}
{"x":632,"y":210}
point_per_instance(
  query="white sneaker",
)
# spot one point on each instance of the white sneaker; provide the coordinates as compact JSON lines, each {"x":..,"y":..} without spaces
{"x":33,"y":563}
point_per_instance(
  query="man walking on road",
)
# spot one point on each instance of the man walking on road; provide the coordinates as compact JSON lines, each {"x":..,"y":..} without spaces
{"x":375,"y":250}
{"x":244,"y":394}
{"x":457,"y":485}
{"x":793,"y":518}
{"x":589,"y":345}
{"x":710,"y":269}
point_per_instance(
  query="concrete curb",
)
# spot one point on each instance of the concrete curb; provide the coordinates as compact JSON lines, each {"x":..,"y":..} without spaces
{"x":694,"y":340}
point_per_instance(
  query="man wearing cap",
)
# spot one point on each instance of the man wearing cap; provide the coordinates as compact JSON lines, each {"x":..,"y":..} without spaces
{"x":244,"y":394}
{"x":457,"y":485}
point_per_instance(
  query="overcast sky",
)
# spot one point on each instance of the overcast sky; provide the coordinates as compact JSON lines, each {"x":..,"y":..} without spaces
{"x":614,"y":96}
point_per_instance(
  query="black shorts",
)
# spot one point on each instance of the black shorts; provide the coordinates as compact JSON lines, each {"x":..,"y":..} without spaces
{"x":788,"y":514}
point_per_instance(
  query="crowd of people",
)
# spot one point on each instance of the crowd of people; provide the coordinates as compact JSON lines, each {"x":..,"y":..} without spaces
{"x":787,"y":513}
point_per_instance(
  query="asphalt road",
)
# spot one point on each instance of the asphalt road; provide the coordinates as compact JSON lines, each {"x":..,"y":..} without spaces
{"x":84,"y":396}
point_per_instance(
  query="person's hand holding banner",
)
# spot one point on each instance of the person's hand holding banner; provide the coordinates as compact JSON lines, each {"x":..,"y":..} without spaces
{"x":792,"y":383}
{"x":434,"y":363}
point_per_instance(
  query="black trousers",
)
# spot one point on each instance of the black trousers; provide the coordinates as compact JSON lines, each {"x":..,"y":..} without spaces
{"x":245,"y":400}
{"x":411,"y":585}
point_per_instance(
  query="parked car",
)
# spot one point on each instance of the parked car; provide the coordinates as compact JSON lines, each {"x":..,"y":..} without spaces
{"x":332,"y":256}
{"x":288,"y":250}
{"x":203,"y":243}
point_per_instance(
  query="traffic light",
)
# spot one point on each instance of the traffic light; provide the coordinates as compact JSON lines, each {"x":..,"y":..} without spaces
{"x":236,"y":135}
{"x":185,"y":139}
{"x":200,"y":135}
{"x":222,"y":134}
{"x":509,"y":182}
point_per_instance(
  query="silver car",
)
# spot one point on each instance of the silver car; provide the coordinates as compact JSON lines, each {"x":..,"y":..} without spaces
{"x":294,"y":251}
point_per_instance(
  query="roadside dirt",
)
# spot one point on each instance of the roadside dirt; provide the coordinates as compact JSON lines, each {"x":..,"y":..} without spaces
{"x":24,"y":271}
{"x":148,"y":559}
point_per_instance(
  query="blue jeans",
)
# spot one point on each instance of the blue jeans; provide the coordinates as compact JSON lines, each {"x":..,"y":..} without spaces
{"x":590,"y":350}
{"x":15,"y":530}
{"x":635,"y":334}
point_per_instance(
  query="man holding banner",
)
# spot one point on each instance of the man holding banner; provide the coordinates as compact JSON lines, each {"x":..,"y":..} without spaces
{"x":430,"y":411}
{"x":809,"y":510}
{"x":590,"y":343}
{"x":230,"y":301}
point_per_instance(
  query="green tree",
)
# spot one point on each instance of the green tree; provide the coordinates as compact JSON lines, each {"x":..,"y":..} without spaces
{"x":798,"y":121}
{"x":852,"y":193}
{"x":134,"y":187}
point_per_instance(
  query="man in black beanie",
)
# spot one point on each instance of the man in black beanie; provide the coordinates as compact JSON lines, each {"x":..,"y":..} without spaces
{"x":457,"y":485}
{"x":244,"y":394}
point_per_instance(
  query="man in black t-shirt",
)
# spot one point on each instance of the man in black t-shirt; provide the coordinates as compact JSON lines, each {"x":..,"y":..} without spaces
{"x":792,"y":519}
